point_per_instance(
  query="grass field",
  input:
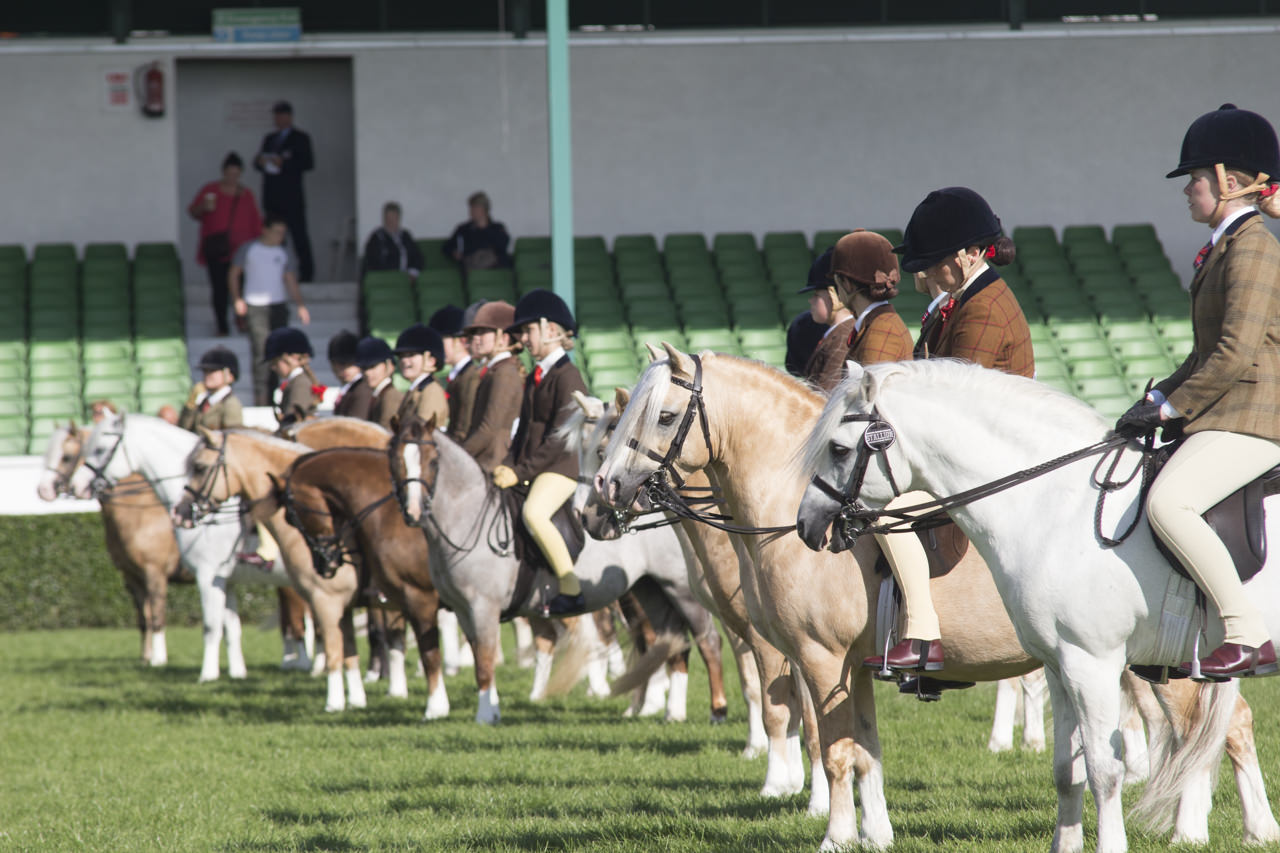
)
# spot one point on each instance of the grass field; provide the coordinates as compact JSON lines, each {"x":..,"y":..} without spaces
{"x":99,"y":753}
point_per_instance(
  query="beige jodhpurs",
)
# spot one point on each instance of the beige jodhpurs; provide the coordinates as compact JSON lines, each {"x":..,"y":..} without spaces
{"x":1208,"y":467}
{"x":547,"y":493}
{"x":910,"y":568}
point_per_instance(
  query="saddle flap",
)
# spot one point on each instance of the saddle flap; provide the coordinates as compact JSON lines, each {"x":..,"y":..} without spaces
{"x":527,"y":551}
{"x":944,"y":547}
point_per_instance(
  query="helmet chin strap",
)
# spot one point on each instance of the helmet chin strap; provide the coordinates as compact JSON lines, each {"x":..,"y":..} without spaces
{"x":1259,"y":184}
{"x":544,"y":329}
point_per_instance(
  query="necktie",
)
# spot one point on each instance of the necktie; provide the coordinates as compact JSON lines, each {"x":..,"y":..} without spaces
{"x":484,"y":371}
{"x":204,"y":407}
{"x":946,"y":310}
{"x":537,"y":375}
{"x":1202,"y":254}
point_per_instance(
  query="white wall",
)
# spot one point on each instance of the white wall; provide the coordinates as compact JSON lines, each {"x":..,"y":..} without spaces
{"x":688,"y":132}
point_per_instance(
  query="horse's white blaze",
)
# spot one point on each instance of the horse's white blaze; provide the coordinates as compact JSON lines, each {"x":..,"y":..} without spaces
{"x":487,"y":711}
{"x":413,"y":490}
{"x":355,"y":688}
{"x":447,"y":622}
{"x":336,"y":699}
{"x":437,"y":703}
{"x":541,"y":674}
{"x":397,"y":683}
{"x":159,"y":650}
{"x":1192,"y":825}
{"x":678,"y":698}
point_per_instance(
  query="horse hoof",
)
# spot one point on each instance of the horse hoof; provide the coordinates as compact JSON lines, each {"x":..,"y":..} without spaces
{"x":451,"y":671}
{"x":398,"y":693}
{"x":238,"y":675}
{"x":753,"y":752}
{"x":205,"y":679}
{"x":674,"y":718}
{"x":358,"y":702}
{"x":334,"y":709}
{"x":719,"y":715}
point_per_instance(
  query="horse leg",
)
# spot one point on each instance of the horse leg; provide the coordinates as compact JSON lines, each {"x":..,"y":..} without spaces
{"x":749,"y":677}
{"x":876,"y":830}
{"x":233,"y":634}
{"x":376,"y":627}
{"x":293,"y":628}
{"x":329,"y":616}
{"x":1092,"y":688}
{"x":447,"y":622}
{"x":678,"y":691}
{"x":1033,"y":693}
{"x":1260,"y":825}
{"x":1142,"y":707}
{"x":819,"y":787}
{"x":1068,"y":769}
{"x":608,"y":629}
{"x":356,"y":697}
{"x":138,"y":594}
{"x":213,"y":605}
{"x":1001,"y":739}
{"x":157,"y":595}
{"x":823,"y":676}
{"x":780,"y":709}
{"x":544,"y":640}
{"x":709,"y":647}
{"x":485,"y":640}
{"x":397,"y":682}
{"x":422,"y":608}
{"x":524,"y":642}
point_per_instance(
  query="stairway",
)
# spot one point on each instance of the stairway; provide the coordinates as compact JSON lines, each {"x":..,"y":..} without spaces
{"x":332,"y":306}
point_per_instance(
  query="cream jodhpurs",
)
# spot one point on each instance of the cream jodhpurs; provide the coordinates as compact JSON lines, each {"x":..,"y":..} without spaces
{"x":1209,"y":466}
{"x":547,"y":493}
{"x":910,"y":568}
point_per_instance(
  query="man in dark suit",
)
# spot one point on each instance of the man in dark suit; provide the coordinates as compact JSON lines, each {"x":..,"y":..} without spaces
{"x":284,"y":155}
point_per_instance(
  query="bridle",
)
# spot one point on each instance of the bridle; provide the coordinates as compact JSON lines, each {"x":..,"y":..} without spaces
{"x":500,"y":536}
{"x":695,"y":407}
{"x":101,"y":483}
{"x":328,"y":551}
{"x":201,"y":500}
{"x":856,"y":519}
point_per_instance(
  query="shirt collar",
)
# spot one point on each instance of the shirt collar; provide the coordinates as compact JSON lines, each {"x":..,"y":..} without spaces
{"x":1226,"y":223}
{"x":857,"y":323}
{"x":937,"y":300}
{"x":215,"y":397}
{"x":550,"y":361}
{"x":497,"y":357}
{"x":457,"y":368}
{"x":347,"y":385}
{"x":383,"y":384}
{"x":421,"y":381}
{"x":292,"y":373}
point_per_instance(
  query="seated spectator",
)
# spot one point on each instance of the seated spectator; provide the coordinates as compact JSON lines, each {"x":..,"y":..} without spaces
{"x":391,"y":247}
{"x":479,"y":243}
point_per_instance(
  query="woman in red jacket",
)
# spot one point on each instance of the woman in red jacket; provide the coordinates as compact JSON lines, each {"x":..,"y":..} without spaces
{"x":228,"y":216}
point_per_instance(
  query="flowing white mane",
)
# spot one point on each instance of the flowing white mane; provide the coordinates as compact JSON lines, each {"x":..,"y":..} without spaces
{"x":571,"y":432}
{"x":990,"y":389}
{"x":640,"y":418}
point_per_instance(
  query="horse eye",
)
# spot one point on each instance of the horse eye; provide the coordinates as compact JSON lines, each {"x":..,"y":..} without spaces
{"x":68,"y":458}
{"x":200,"y":468}
{"x":666,"y":418}
{"x":838,"y":451}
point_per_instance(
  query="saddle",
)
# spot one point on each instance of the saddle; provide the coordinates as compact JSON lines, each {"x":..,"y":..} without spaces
{"x":945,"y":546}
{"x":1239,"y":519}
{"x":527,"y":552}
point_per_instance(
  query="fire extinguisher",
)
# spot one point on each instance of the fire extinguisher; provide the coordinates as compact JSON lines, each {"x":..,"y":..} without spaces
{"x":148,"y":82}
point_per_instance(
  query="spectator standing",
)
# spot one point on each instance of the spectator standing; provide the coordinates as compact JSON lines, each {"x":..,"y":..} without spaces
{"x":284,"y":155}
{"x":479,"y":243}
{"x":229,"y":218}
{"x":263,"y":278}
{"x":391,"y":247}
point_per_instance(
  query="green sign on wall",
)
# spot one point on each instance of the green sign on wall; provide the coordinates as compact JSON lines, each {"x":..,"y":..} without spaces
{"x":257,"y":25}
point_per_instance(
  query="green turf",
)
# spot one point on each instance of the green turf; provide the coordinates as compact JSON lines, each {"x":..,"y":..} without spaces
{"x":99,"y":753}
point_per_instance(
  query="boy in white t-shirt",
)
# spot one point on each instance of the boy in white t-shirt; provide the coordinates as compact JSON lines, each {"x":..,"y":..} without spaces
{"x":263,"y":277}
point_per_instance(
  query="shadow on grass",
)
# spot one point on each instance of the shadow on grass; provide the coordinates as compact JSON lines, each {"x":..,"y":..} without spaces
{"x":320,"y":842}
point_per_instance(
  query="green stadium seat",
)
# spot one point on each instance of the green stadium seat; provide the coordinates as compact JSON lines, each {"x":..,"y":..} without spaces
{"x":116,"y":252}
{"x":1085,"y":265}
{"x":1027,"y":235}
{"x":1063,"y":305}
{"x":105,"y":350}
{"x":1083,"y":234}
{"x":1051,"y":367}
{"x":13,"y":406}
{"x":825,"y":239}
{"x":17,"y":446}
{"x":433,"y":256}
{"x":721,"y":340}
{"x":491,"y":284}
{"x":98,"y":368}
{"x":1152,"y":262}
{"x":156,"y":350}
{"x":640,"y":291}
{"x":762,"y":337}
{"x":529,"y":260}
{"x":785,"y":240}
{"x":686,"y":242}
{"x":738,"y":241}
{"x":640,"y":243}
{"x":1138,"y":348}
{"x":13,"y":253}
{"x":656,"y":336}
{"x":591,"y":245}
{"x":774,"y":356}
{"x":54,"y":251}
{"x":155,"y":251}
{"x":1139,"y":247}
{"x":536,"y":244}
{"x":1036,"y":267}
{"x":122,"y":391}
{"x":1156,"y":367}
{"x":1085,"y":350}
{"x":601,"y":314}
{"x":614,"y":377}
{"x":1092,"y":367}
{"x":1101,"y":386}
{"x":611,"y":358}
{"x":593,"y":339}
{"x":1135,"y":232}
{"x":1075,"y":330}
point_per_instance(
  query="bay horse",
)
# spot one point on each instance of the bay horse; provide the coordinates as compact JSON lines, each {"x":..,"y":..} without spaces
{"x":1084,"y":609}
{"x":776,"y":699}
{"x":819,"y":608}
{"x":443,"y":490}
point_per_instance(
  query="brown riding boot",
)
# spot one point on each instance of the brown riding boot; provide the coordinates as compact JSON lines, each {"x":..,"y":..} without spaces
{"x":1232,"y":660}
{"x":910,"y":656}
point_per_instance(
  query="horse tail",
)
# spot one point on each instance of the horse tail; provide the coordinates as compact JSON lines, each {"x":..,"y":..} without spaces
{"x":667,"y":645}
{"x":1194,"y":747}
{"x":658,"y":632}
{"x":574,"y":650}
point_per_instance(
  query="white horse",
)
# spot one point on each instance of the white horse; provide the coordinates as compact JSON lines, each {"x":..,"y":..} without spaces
{"x":1084,"y":609}
{"x":119,"y":446}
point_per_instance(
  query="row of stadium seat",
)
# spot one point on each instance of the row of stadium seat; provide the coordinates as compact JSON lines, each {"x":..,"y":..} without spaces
{"x":75,"y":330}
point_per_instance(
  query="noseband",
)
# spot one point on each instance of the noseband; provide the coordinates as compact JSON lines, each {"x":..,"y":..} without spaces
{"x":101,"y":483}
{"x":695,"y":406}
{"x":202,"y":501}
{"x":877,"y":438}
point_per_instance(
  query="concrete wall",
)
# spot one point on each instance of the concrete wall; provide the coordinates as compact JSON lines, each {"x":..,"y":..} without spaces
{"x":712,"y":133}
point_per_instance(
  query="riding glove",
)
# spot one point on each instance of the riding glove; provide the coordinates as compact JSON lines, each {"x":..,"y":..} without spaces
{"x":1143,"y":418}
{"x":504,"y":477}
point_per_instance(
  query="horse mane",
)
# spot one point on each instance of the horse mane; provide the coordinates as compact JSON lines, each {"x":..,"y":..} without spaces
{"x":640,"y":418}
{"x":569,"y":433}
{"x":269,"y":439}
{"x":1012,"y":393}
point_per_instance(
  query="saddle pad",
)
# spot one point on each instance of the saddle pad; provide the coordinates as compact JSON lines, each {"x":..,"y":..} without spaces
{"x":944,"y":546}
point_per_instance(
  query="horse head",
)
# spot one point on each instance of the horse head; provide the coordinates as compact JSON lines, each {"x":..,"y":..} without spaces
{"x":105,"y":458}
{"x":593,"y":428}
{"x":208,"y":481}
{"x":662,"y":412}
{"x":61,"y":459}
{"x":413,"y":456}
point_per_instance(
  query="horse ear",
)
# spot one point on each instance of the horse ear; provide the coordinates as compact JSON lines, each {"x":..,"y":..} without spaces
{"x":430,"y":425}
{"x":621,"y":396}
{"x":681,"y":364}
{"x":395,"y":424}
{"x":654,"y":352}
{"x":854,"y":371}
{"x":583,"y":401}
{"x":210,"y":438}
{"x":71,"y":425}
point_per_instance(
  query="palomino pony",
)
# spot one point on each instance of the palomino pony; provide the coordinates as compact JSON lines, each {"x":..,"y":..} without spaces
{"x":443,"y":490}
{"x":121,"y":445}
{"x":1084,"y":609}
{"x":776,"y":699}
{"x":815,"y":607}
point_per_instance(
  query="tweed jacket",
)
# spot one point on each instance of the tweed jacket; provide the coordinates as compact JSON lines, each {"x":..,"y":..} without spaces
{"x":499,"y":393}
{"x":297,"y":402}
{"x":384,"y":405}
{"x":988,"y":328}
{"x":427,"y":399}
{"x":357,"y":400}
{"x":1231,"y":380}
{"x":224,"y":414}
{"x":883,"y":337}
{"x":825,"y":367}
{"x":461,"y":395}
{"x":930,"y":331}
{"x":545,"y":407}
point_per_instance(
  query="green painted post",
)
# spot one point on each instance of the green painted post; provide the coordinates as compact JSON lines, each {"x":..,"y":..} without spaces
{"x":560,"y":149}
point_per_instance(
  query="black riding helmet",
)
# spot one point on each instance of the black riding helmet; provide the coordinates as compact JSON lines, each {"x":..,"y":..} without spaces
{"x":419,"y":338}
{"x":542,"y":304}
{"x":947,"y":221}
{"x":342,"y":347}
{"x":1236,"y":138}
{"x":221,"y":358}
{"x":286,"y":341}
{"x":370,"y":352}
